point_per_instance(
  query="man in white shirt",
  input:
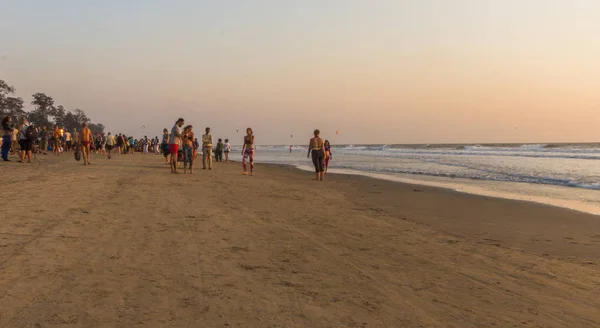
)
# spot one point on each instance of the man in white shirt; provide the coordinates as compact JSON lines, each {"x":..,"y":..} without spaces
{"x":110,"y":144}
{"x":68,"y":140}
{"x":24,"y":142}
{"x":174,"y":141}
{"x":207,"y":141}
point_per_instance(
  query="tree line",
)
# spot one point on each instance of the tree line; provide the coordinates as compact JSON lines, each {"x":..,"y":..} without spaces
{"x":44,"y":111}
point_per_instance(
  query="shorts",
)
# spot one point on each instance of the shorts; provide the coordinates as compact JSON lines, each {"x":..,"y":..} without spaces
{"x":109,"y":147}
{"x":85,"y":143}
{"x":26,"y":145}
{"x":318,"y":158}
{"x":173,"y":148}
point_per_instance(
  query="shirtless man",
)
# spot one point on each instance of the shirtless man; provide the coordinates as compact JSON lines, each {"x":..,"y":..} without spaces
{"x":87,"y":138}
{"x":56,"y":142}
{"x":75,"y":136}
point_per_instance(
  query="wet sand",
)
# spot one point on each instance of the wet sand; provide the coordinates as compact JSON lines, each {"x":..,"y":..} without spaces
{"x":124,"y":243}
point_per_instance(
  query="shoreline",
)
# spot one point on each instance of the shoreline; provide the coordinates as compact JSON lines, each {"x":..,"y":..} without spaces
{"x":580,"y":207}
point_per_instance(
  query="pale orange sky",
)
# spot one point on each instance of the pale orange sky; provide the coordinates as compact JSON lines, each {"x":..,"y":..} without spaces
{"x":377,"y":71}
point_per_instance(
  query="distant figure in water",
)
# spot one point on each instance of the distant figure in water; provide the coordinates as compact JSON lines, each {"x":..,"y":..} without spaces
{"x":290,"y":149}
{"x":328,"y":154}
{"x":248,"y":152}
{"x":316,"y":149}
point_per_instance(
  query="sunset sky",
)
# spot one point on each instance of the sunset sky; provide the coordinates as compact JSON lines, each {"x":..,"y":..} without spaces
{"x":379,"y":71}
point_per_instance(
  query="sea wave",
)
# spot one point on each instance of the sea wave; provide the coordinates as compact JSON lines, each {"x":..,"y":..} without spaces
{"x":532,"y":151}
{"x":477,"y":175}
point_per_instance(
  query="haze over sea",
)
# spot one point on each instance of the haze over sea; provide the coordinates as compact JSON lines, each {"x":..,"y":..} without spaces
{"x":566,"y":175}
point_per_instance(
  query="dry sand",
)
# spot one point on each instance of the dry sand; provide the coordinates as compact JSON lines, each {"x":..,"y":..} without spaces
{"x":124,"y":243}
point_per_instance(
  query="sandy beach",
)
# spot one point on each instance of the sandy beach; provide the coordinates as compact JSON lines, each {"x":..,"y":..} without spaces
{"x":124,"y":243}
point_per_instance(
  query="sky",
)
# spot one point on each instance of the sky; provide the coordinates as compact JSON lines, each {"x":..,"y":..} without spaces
{"x":377,"y":71}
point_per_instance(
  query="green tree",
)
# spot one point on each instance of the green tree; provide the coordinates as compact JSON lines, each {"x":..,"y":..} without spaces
{"x":59,"y":114}
{"x":10,"y":105}
{"x":74,"y":119}
{"x":44,"y":112}
{"x":44,"y":107}
{"x":96,"y":127}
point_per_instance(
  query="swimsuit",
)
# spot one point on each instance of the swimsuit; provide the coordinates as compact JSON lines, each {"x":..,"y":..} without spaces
{"x":318,"y":155}
{"x":248,"y":153}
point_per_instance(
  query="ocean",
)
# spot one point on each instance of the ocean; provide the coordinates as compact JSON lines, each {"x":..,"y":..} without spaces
{"x":566,"y":175}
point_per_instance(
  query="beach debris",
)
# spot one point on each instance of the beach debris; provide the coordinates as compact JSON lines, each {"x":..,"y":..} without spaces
{"x":449,"y":241}
{"x":417,"y":190}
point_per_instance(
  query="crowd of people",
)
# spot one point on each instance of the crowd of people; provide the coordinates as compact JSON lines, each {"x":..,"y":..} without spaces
{"x":177,"y":145}
{"x":181,"y":145}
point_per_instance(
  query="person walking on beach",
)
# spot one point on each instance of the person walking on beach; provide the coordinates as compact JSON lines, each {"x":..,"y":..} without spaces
{"x":174,"y":141}
{"x":226,"y":150}
{"x":188,"y":149}
{"x":56,"y":140}
{"x":207,"y":141}
{"x":132,"y":144}
{"x":86,"y":141}
{"x":110,"y":144}
{"x":25,"y":143}
{"x":68,"y":141}
{"x":120,"y":144}
{"x":102,"y":144}
{"x":328,"y":154}
{"x":44,"y":140}
{"x":220,"y":148}
{"x":15,"y":140}
{"x":316,"y":149}
{"x":7,"y":128}
{"x":164,"y":146}
{"x":248,"y":151}
{"x":196,"y":147}
{"x":146,"y":143}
